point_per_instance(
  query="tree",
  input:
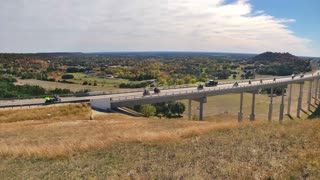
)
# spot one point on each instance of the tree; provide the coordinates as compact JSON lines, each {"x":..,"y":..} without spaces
{"x":67,"y":76}
{"x":148,"y":110}
{"x":234,"y":76}
{"x":178,"y":108}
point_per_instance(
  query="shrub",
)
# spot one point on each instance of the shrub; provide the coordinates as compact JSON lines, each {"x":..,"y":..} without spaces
{"x":67,"y":76}
{"x":133,"y":85}
{"x":148,"y":110}
{"x":178,"y":108}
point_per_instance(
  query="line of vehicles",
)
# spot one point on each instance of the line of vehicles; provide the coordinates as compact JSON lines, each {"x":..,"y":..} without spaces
{"x":210,"y":83}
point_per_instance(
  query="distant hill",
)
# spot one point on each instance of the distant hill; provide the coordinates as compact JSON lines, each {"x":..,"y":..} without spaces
{"x":280,"y":64}
{"x":270,"y":57}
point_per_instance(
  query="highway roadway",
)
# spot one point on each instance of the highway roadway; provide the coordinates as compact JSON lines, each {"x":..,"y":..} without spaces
{"x":164,"y":92}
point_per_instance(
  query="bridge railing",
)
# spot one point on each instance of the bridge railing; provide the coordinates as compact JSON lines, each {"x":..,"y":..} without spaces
{"x":217,"y":88}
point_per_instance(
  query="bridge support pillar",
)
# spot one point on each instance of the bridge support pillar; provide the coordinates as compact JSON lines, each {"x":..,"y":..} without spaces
{"x":316,"y":91}
{"x":289,"y":100}
{"x":252,"y":115}
{"x":282,"y":106}
{"x":300,"y":101}
{"x":309,"y":95}
{"x":270,"y":105}
{"x":201,"y":102}
{"x":201,"y":112}
{"x":189,"y":109}
{"x":240,"y":114}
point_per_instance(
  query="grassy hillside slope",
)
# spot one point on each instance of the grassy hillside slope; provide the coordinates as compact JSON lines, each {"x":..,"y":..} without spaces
{"x":119,"y":147}
{"x":60,"y":112}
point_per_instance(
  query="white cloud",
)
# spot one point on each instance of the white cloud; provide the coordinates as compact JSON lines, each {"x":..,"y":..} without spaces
{"x":144,"y":25}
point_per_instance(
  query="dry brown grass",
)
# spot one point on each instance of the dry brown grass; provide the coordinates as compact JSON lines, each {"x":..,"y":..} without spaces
{"x":114,"y":146}
{"x":61,"y":138}
{"x":118,"y":147}
{"x":61,"y":112}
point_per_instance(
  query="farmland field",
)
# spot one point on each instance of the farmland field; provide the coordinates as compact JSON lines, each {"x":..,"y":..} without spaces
{"x":72,"y":87}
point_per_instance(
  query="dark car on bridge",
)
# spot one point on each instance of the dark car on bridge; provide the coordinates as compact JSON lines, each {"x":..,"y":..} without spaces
{"x":211,"y":83}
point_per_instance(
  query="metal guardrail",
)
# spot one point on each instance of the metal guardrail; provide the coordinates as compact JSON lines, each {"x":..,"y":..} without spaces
{"x":212,"y":89}
{"x":99,"y":93}
{"x":42,"y":104}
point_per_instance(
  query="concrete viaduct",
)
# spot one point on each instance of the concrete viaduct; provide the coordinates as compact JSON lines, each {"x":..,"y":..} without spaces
{"x":200,"y":96}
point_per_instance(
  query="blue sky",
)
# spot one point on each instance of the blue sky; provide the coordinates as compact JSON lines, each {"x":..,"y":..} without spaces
{"x":305,"y":12}
{"x":247,"y":26}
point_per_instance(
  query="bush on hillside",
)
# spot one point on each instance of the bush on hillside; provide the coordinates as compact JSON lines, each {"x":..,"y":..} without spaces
{"x":148,"y":110}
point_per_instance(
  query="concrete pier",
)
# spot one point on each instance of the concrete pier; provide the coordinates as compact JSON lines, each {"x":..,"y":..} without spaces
{"x":252,"y":115}
{"x":316,"y":91}
{"x":201,"y":102}
{"x":201,"y":111}
{"x":270,"y":105}
{"x":282,"y":106}
{"x":240,"y":114}
{"x":189,"y":109}
{"x":300,"y":100}
{"x":309,"y":95}
{"x":289,"y":100}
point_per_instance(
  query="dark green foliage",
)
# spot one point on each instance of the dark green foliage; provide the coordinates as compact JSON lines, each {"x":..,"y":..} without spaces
{"x":234,"y":76}
{"x":31,"y":75}
{"x":177,"y":108}
{"x":65,"y":81}
{"x":59,"y":91}
{"x":280,"y":64}
{"x":133,"y":85}
{"x":67,"y":76}
{"x":315,"y":114}
{"x":165,"y":109}
{"x":276,"y":90}
{"x":148,"y":110}
{"x":74,"y":70}
{"x":51,"y":79}
{"x":249,"y":75}
{"x":170,"y":109}
{"x":9,"y":90}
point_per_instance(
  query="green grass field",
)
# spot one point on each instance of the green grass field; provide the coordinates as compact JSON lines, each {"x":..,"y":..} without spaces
{"x":81,"y":77}
{"x":229,"y":105}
